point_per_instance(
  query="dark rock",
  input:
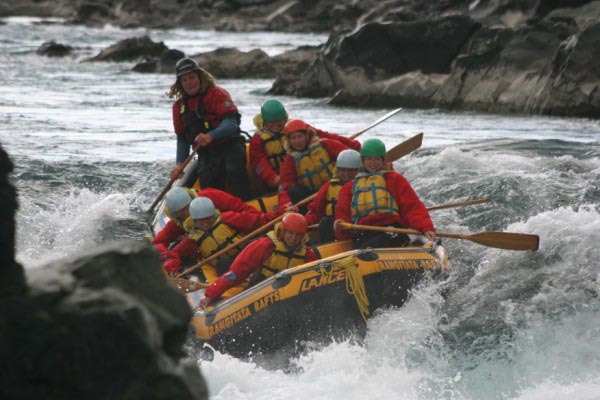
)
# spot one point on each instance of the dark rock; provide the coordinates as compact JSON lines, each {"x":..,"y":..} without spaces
{"x":131,"y":49}
{"x":12,"y":279}
{"x":233,"y":63}
{"x":53,"y":49}
{"x":105,"y":325}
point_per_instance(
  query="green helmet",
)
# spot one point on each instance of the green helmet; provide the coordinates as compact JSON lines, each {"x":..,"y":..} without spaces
{"x":272,"y":110}
{"x":372,"y":148}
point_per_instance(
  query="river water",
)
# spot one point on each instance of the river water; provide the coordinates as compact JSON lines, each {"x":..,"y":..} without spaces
{"x":93,"y":144}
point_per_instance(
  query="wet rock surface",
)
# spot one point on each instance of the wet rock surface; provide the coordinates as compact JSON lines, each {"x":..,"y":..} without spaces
{"x":103,"y":325}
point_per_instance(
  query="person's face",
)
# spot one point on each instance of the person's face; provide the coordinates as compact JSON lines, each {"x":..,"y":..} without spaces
{"x":183,"y":213}
{"x":190,"y":83}
{"x":297,"y":140}
{"x":275,"y":126}
{"x":373,"y":164}
{"x":347,"y":174}
{"x":292,"y":239}
{"x":205,"y":223}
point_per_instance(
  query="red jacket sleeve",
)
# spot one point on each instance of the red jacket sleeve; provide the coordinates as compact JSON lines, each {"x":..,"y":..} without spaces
{"x":245,"y":222}
{"x":225,"y":201}
{"x":316,"y":208}
{"x":343,"y":210}
{"x":413,"y":212}
{"x":288,"y":177}
{"x":178,"y":123}
{"x":310,"y":255}
{"x":187,"y":248}
{"x":248,"y":261}
{"x":333,"y":147}
{"x":170,"y":233}
{"x":260,"y":162}
{"x":350,"y":143}
{"x":217,"y":103}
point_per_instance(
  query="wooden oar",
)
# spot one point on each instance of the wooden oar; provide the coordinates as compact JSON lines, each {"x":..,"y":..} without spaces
{"x":440,"y":207}
{"x":374,"y":124}
{"x":404,"y":148}
{"x":243,"y":239}
{"x":168,"y":185}
{"x":499,"y":240}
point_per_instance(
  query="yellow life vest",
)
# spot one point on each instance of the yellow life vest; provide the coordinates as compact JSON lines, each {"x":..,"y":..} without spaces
{"x":333,"y":193}
{"x":282,"y":258}
{"x":314,"y":166}
{"x":180,"y":222}
{"x":370,"y":195}
{"x":274,"y":147}
{"x":216,"y":238}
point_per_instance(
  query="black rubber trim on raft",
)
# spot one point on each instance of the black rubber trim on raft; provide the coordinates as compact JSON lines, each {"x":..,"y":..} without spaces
{"x":367,"y":255}
{"x":281,"y":281}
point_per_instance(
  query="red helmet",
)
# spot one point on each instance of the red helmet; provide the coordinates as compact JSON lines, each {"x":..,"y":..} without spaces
{"x":294,"y":222}
{"x":294,"y":125}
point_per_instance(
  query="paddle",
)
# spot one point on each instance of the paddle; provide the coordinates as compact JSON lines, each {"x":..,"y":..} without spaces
{"x":404,"y":148}
{"x":168,"y":185}
{"x":243,"y":239}
{"x":499,"y":240}
{"x":440,"y":207}
{"x":187,"y":286}
{"x":374,"y":124}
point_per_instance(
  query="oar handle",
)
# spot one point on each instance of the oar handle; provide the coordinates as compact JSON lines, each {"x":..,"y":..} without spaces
{"x":243,"y":239}
{"x":170,"y":183}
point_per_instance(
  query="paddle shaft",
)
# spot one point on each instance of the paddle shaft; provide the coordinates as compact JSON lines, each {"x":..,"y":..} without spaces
{"x":374,"y":124}
{"x":243,"y":239}
{"x":499,"y":240}
{"x":170,"y":183}
{"x":440,"y":207}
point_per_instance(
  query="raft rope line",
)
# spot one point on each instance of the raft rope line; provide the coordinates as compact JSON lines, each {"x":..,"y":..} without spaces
{"x":355,"y":284}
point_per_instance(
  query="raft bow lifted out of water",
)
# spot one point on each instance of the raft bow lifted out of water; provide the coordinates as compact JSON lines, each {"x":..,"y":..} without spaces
{"x":323,"y":300}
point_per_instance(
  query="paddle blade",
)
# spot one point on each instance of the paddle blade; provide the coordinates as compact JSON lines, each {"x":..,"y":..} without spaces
{"x":404,"y":148}
{"x":506,"y":240}
{"x":187,"y":286}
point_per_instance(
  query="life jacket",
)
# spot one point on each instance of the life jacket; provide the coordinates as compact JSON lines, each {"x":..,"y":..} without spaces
{"x":281,"y":259}
{"x":216,"y":238}
{"x":314,"y":166}
{"x":274,"y":147}
{"x":180,"y":222}
{"x":333,"y":193}
{"x":194,"y":121}
{"x":197,"y":120}
{"x":370,"y":195}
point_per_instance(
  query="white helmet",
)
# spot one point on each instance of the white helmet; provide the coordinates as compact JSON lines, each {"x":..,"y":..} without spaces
{"x":202,"y":207}
{"x":177,"y":199}
{"x":348,"y":159}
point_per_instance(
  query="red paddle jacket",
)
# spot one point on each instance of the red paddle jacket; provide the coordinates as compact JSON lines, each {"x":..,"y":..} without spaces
{"x":413,"y":213}
{"x":223,"y":201}
{"x":216,"y":102}
{"x":187,"y":248}
{"x":288,"y":176}
{"x":248,"y":261}
{"x":259,"y":161}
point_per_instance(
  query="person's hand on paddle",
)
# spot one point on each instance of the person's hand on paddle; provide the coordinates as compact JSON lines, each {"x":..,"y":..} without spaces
{"x":430,"y":235}
{"x":176,"y":172}
{"x":290,"y":207}
{"x":203,"y":140}
{"x":338,"y":225}
{"x":204,"y":302}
